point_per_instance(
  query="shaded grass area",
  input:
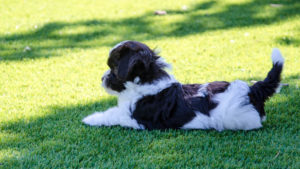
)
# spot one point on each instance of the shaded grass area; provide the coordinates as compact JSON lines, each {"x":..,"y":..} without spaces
{"x":52,"y":36}
{"x":47,"y":90}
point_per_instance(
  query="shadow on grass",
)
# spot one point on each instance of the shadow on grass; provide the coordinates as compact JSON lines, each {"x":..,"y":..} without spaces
{"x":59,"y":139}
{"x":288,"y":41}
{"x":54,"y":135}
{"x":51,"y":38}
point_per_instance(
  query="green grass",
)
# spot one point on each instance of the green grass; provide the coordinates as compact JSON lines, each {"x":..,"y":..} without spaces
{"x":46,"y":91}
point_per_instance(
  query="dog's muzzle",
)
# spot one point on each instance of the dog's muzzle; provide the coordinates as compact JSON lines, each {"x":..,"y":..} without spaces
{"x":105,"y":75}
{"x":104,"y":83}
{"x":104,"y":78}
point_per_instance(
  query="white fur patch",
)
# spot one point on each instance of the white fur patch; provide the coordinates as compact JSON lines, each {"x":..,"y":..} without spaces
{"x":264,"y":118}
{"x":277,"y":57}
{"x":136,"y":80}
{"x":163,"y":62}
{"x":232,"y":112}
{"x":278,"y":88}
{"x":201,"y":121}
{"x":157,"y":50}
{"x":202,"y":92}
{"x":112,"y":116}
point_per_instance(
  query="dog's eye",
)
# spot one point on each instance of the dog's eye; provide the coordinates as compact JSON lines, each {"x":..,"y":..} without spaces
{"x":111,"y":65}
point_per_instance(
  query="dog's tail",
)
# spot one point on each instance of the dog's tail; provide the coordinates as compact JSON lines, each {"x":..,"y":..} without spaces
{"x":262,"y":90}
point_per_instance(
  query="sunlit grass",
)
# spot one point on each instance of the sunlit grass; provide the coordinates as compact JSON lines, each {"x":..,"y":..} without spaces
{"x":53,"y":54}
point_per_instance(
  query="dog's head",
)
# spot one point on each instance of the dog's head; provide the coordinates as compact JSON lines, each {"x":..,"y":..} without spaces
{"x":131,"y":61}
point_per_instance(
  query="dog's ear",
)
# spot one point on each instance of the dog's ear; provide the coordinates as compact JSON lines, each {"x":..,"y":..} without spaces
{"x":134,"y":61}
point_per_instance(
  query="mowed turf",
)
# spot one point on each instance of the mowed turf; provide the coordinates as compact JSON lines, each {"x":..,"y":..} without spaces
{"x":53,"y":54}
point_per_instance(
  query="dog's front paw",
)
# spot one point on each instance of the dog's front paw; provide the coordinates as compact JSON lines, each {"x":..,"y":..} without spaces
{"x":93,"y":119}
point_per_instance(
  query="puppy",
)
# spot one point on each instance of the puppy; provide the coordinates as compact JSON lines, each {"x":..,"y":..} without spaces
{"x":150,"y":98}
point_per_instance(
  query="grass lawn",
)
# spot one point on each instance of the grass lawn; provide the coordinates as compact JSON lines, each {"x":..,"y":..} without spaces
{"x":53,"y":54}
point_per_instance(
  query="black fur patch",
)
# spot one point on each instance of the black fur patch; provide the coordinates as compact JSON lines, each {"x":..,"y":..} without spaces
{"x":190,"y":89}
{"x":217,"y":87}
{"x":202,"y":104}
{"x":263,"y":90}
{"x":167,"y":109}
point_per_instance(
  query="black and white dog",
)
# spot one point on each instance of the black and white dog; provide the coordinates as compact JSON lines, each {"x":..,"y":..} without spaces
{"x":150,"y":98}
